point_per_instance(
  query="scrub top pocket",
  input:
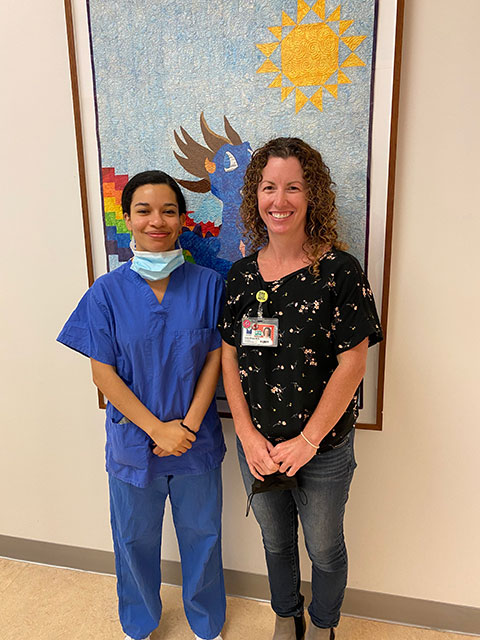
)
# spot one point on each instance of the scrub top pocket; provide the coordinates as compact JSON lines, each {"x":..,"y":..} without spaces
{"x":191,"y":349}
{"x":129,"y":445}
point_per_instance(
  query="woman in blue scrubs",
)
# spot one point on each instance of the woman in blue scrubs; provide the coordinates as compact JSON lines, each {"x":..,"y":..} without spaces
{"x":150,"y":330}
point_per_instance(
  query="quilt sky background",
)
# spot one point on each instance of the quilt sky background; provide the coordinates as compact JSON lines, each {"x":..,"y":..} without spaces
{"x":159,"y":65}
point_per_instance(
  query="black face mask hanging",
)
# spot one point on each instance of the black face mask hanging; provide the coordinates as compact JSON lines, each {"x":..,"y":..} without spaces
{"x":275,"y":482}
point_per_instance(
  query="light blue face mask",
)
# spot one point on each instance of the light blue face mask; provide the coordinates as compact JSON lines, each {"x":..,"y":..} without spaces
{"x":156,"y":265}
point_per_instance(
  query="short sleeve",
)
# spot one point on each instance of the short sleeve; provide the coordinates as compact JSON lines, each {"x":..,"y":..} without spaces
{"x":227,"y":320}
{"x":354,"y":313}
{"x":219,"y":294}
{"x":89,"y":330}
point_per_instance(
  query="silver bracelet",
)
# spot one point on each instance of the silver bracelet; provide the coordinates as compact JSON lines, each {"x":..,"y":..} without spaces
{"x":308,"y":441}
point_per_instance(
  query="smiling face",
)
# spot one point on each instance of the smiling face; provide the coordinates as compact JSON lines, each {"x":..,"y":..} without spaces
{"x":154,"y":218}
{"x":282,"y":198}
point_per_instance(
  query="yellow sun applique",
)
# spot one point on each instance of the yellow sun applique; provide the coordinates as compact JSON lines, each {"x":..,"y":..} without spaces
{"x":311,"y":53}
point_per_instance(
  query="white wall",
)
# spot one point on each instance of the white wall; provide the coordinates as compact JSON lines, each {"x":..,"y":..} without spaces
{"x":413,"y":517}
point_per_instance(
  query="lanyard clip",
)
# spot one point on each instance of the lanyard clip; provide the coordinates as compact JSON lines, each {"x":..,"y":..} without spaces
{"x":262,"y":296}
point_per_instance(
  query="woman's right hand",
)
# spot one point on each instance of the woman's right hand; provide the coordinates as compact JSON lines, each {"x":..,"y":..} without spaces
{"x":172,"y":439}
{"x":257,"y":452}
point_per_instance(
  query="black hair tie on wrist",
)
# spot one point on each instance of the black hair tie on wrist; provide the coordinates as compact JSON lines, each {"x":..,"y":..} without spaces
{"x":187,"y":428}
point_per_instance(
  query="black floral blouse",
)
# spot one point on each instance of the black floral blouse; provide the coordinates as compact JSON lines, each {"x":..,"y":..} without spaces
{"x":319,"y":317}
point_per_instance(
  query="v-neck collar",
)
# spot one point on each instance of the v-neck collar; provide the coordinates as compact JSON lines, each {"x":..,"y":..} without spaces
{"x":287,"y":275}
{"x":151,"y":298}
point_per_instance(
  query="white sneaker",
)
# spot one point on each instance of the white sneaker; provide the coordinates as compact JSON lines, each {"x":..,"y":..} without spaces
{"x":147,"y":638}
{"x":217,"y":638}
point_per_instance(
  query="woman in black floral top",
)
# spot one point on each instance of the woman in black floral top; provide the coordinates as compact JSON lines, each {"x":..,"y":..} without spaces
{"x":293,"y":389}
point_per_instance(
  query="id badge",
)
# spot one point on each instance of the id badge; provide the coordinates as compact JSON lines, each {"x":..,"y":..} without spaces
{"x":259,"y":332}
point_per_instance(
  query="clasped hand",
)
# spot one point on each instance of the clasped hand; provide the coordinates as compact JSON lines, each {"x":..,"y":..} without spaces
{"x":292,"y":454}
{"x":287,"y":457}
{"x":172,"y":439}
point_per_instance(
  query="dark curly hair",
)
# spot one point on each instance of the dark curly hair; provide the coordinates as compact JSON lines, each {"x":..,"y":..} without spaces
{"x":321,"y":224}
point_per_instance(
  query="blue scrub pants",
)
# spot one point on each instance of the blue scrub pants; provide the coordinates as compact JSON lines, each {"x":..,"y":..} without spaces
{"x":137,"y":518}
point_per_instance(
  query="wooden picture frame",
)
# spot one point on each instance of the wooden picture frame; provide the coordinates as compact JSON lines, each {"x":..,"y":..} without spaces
{"x":388,"y":66}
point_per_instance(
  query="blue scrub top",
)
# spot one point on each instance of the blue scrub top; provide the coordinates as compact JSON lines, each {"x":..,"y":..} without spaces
{"x":159,"y":351}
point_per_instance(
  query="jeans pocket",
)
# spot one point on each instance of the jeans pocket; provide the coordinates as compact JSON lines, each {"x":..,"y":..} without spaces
{"x":342,"y":443}
{"x":129,"y":445}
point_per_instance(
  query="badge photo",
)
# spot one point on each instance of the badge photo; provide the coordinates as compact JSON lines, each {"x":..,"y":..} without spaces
{"x":260,"y":332}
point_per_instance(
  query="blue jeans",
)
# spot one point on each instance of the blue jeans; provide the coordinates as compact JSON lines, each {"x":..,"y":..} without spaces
{"x":137,"y":518}
{"x":325,"y":481}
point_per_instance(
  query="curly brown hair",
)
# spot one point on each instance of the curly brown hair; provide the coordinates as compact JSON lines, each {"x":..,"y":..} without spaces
{"x":321,"y":225}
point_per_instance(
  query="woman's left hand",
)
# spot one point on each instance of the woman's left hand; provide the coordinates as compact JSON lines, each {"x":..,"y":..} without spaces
{"x":292,"y":454}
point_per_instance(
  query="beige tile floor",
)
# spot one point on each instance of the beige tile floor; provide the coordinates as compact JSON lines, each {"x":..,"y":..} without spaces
{"x":45,"y":603}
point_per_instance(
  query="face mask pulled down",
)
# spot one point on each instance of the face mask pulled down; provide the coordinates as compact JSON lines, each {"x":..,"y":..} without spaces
{"x":156,"y":265}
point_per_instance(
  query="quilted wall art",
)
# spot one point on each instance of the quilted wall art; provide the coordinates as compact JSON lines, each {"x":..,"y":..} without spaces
{"x":191,"y":87}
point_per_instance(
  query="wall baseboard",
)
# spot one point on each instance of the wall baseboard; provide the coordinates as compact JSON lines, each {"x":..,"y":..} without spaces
{"x":359,"y":603}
